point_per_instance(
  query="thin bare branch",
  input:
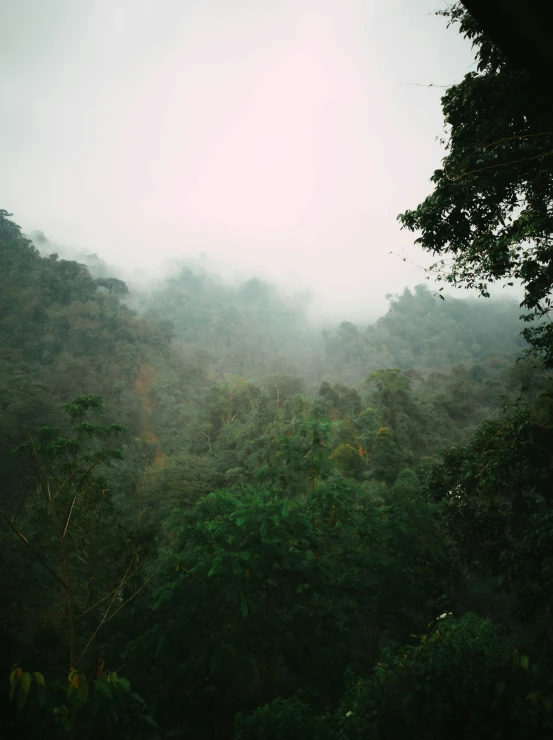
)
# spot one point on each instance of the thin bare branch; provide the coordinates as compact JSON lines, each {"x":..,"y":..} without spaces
{"x":208,"y":440}
{"x":495,"y":166}
{"x":20,"y":507}
{"x":114,"y":590}
{"x":105,"y":614}
{"x":65,"y":482}
{"x":77,"y":490}
{"x":422,"y":84}
{"x":135,"y":593}
{"x":43,"y":485}
{"x":37,"y":555}
{"x":519,"y":136}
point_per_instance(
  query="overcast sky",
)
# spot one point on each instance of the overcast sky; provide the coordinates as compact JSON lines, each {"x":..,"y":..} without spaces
{"x":279,"y":136}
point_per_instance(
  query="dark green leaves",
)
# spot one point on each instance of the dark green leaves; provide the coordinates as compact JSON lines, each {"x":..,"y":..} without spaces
{"x":490,"y":214}
{"x":80,"y":406}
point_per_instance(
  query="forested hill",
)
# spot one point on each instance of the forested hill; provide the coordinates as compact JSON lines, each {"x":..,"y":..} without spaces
{"x":220,"y":520}
{"x":196,"y":356}
{"x":260,"y":517}
{"x":252,"y":330}
{"x":255,"y":330}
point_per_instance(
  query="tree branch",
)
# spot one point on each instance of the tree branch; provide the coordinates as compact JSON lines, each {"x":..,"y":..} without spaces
{"x":77,"y":490}
{"x":105,"y":613}
{"x":135,"y":593}
{"x":125,"y":579}
{"x":37,"y":555}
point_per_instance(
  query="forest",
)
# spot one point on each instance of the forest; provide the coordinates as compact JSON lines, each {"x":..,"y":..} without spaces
{"x":220,"y":520}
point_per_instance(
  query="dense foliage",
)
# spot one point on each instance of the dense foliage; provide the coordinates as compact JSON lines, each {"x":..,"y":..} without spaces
{"x":490,"y":215}
{"x":220,"y":521}
{"x":264,"y":553}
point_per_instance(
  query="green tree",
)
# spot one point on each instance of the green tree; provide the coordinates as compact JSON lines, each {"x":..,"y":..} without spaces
{"x":462,"y":679}
{"x":490,"y":215}
{"x":182,"y":479}
{"x":239,"y":616}
{"x":495,"y":504}
{"x":69,"y":529}
{"x":64,"y":523}
{"x":348,"y":460}
{"x":306,"y":452}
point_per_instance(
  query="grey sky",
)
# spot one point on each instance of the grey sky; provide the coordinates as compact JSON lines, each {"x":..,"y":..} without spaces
{"x":280,"y":138}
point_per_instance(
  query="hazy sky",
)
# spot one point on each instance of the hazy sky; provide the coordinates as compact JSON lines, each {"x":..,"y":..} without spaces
{"x":280,"y":136}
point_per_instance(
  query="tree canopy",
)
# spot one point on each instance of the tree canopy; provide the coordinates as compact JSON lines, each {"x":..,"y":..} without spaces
{"x":489,"y":217}
{"x":222,"y":521}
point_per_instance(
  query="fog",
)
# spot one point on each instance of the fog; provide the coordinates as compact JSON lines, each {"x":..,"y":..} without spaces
{"x":278,"y":139}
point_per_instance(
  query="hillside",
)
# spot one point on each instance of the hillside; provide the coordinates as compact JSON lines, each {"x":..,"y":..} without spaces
{"x":236,"y":415}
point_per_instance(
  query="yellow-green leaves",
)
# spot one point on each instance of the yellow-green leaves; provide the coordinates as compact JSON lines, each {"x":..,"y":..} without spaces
{"x":20,"y":684}
{"x":77,"y":691}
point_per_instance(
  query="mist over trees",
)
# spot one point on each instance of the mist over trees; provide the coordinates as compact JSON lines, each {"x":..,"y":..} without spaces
{"x":220,"y":520}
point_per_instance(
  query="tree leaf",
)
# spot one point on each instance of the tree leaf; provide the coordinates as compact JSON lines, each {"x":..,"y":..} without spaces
{"x":23,"y":692}
{"x":244,"y":608}
{"x":82,"y":690}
